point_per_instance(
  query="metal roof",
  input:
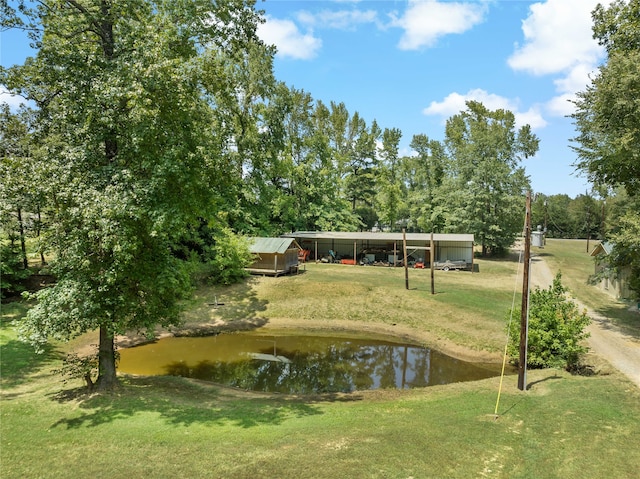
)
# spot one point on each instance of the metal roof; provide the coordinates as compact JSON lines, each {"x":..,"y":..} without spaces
{"x":271,"y":245}
{"x":605,"y":247}
{"x":369,"y":236}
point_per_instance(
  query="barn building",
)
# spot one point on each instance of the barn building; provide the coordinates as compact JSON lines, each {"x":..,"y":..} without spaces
{"x":385,"y":248}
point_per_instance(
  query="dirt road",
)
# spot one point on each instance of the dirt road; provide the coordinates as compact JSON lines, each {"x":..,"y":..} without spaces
{"x":606,"y":341}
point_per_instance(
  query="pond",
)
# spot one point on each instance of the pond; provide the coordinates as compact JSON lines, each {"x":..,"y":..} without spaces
{"x":300,"y":363}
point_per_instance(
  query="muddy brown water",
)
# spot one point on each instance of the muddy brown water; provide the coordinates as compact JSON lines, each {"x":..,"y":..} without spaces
{"x":300,"y":363}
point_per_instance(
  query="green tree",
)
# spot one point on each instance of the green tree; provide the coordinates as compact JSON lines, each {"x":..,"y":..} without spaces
{"x":607,"y":119}
{"x":125,"y":104}
{"x":555,"y":210}
{"x":556,"y":329}
{"x":16,"y":188}
{"x":625,"y":237}
{"x":244,"y":94}
{"x":391,"y":191}
{"x":607,"y":115}
{"x":424,"y":175}
{"x":12,"y":271}
{"x":361,"y":163}
{"x":303,"y":183}
{"x":486,"y":181}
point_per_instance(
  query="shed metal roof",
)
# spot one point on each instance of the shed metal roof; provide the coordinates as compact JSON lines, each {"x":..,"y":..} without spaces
{"x":271,"y":245}
{"x":605,"y":247}
{"x":369,"y":236}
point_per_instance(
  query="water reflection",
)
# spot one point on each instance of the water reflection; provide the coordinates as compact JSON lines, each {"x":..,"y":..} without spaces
{"x":300,"y":364}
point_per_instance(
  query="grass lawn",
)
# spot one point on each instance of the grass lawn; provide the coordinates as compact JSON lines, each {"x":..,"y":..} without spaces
{"x":570,"y":257}
{"x":563,"y":426}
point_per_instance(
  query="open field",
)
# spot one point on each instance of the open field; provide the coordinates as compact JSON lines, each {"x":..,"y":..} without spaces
{"x":563,"y":426}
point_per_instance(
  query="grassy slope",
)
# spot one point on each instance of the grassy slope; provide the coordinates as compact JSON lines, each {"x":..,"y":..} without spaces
{"x":576,"y":265}
{"x":564,"y":426}
{"x":467,"y":309}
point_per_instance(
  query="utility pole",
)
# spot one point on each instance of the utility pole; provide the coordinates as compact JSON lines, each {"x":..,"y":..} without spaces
{"x":545,"y":222}
{"x":524,"y":308}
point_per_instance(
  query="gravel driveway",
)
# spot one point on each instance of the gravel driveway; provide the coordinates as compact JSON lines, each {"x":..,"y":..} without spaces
{"x":607,"y":341}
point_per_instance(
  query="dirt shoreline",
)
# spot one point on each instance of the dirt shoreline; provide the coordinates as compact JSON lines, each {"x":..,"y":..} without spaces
{"x":398,"y":332}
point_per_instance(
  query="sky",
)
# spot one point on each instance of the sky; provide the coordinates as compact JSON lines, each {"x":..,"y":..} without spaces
{"x":412,"y":65}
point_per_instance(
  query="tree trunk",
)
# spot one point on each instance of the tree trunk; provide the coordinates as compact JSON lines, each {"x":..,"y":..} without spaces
{"x":107,"y":379}
{"x":23,"y":244}
{"x":38,"y":228}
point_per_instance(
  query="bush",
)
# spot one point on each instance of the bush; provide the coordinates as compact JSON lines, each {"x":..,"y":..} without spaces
{"x":229,"y":255}
{"x":556,"y":330}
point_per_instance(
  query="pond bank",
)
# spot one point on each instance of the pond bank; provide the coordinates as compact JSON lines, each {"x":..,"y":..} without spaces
{"x":398,"y":332}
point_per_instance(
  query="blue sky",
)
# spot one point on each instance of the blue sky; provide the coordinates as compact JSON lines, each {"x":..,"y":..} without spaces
{"x":412,"y":64}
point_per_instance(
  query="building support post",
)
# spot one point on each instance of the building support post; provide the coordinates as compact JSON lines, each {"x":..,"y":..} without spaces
{"x":432,"y":256}
{"x":524,"y":308}
{"x":406,"y":263}
{"x":355,"y":261}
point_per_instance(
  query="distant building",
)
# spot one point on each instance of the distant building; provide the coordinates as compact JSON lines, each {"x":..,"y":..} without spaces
{"x":385,"y":248}
{"x":612,"y":281}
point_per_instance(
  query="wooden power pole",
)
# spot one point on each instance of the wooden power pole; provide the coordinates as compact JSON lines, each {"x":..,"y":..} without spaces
{"x":524,"y":309}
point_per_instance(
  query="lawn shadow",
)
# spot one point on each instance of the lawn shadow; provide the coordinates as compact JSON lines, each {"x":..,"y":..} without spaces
{"x":239,"y":301}
{"x":20,"y":361}
{"x":236,"y":307}
{"x":182,"y":402}
{"x":619,"y":319}
{"x":548,"y":378}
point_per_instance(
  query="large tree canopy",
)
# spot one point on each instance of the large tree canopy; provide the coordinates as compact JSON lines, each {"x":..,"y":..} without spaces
{"x":486,"y":180}
{"x":607,"y":118}
{"x":126,"y":125}
{"x":607,"y":113}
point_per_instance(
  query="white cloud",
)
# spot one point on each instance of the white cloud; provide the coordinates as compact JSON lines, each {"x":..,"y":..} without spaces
{"x":567,"y":86}
{"x":575,"y":79}
{"x":561,"y":105}
{"x":341,"y":19}
{"x":14,"y":101}
{"x":455,"y":102}
{"x":557,"y":36}
{"x":558,"y":41}
{"x":424,"y":22}
{"x":289,"y":40}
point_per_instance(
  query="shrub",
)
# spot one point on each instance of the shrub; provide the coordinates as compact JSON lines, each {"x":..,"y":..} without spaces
{"x":229,"y":255}
{"x":556,"y":330}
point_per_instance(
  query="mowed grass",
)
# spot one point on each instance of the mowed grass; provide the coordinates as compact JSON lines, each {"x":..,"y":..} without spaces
{"x":168,"y":427}
{"x":570,"y":257}
{"x":467,"y":309}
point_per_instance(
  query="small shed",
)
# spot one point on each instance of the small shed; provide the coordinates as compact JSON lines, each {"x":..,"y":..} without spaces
{"x":273,"y":256}
{"x":611,"y":281}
